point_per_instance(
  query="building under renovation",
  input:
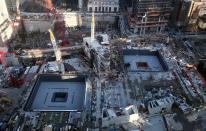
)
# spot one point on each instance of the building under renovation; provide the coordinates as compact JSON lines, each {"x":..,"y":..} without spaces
{"x":149,"y":16}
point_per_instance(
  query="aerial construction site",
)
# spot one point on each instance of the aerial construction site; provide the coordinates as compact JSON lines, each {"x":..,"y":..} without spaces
{"x":102,"y":65}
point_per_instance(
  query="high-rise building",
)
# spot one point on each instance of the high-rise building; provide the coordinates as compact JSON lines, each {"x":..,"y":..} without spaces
{"x":103,"y":5}
{"x":69,"y":4}
{"x":6,"y":28}
{"x":180,"y":12}
{"x":13,"y":6}
{"x":197,"y":15}
{"x":106,"y":13}
{"x":189,"y":15}
{"x":149,"y":16}
{"x":80,"y":3}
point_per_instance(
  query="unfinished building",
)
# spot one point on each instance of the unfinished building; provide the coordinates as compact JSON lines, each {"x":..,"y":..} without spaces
{"x":97,"y":49}
{"x":149,"y":16}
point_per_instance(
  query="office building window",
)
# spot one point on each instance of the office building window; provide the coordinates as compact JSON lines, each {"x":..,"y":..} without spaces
{"x":110,"y":9}
{"x":106,"y":9}
{"x":90,"y":9}
{"x":115,"y":9}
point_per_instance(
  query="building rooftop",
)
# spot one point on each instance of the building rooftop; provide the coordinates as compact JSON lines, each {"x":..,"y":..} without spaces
{"x":54,"y":92}
{"x":99,"y":40}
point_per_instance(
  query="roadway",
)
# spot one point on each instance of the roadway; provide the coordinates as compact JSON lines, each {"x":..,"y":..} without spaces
{"x":36,"y":53}
{"x":98,"y":101}
{"x":186,"y":35}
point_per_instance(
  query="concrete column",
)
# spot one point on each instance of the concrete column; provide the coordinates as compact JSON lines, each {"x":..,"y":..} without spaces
{"x":80,"y":3}
{"x":159,"y":27}
{"x":157,"y":30}
{"x":162,"y":28}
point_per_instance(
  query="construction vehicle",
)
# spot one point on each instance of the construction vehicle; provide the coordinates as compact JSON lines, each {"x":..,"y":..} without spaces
{"x":6,"y":100}
{"x":15,"y":82}
{"x":190,"y":66}
{"x":15,"y":77}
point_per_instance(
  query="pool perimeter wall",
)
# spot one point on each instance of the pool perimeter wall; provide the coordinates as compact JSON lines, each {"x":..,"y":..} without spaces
{"x":150,"y":53}
{"x":50,"y":78}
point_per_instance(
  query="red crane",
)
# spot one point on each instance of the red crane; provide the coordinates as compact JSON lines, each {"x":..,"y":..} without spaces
{"x":59,"y":25}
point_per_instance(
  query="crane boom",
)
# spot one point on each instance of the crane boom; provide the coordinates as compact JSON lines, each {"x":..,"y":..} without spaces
{"x":56,"y":49}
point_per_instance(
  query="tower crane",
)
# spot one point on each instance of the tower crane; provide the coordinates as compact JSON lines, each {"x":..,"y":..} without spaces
{"x":52,"y":11}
